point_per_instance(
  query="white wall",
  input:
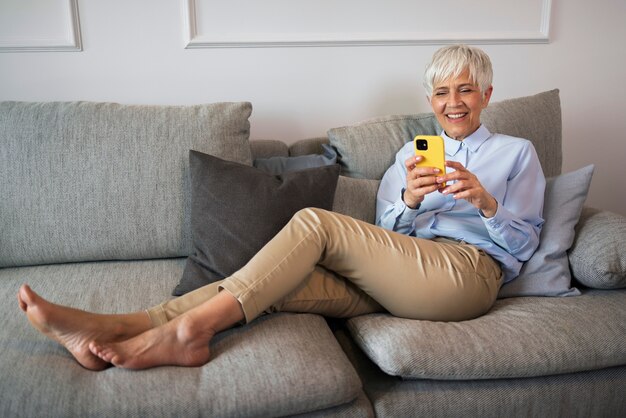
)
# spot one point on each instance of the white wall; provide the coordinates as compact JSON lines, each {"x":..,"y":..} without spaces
{"x":133,"y":53}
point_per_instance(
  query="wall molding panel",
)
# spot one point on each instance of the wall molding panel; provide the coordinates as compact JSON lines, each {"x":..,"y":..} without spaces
{"x":253,"y":24}
{"x":39,"y":26}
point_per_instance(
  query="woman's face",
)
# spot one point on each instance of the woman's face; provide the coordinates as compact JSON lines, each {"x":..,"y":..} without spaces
{"x":457,"y":103}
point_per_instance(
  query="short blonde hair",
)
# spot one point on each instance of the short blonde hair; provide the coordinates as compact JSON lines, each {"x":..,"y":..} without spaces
{"x":451,"y":61}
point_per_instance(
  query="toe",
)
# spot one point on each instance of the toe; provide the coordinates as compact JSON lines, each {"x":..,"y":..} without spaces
{"x":101,"y":352}
{"x":95,"y":349}
{"x":27,"y":296}
{"x":21,"y":302}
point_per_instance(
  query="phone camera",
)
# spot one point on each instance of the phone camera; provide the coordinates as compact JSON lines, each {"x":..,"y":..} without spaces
{"x":422,"y":144}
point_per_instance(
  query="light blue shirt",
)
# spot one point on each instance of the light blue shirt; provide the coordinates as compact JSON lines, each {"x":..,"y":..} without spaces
{"x":507,"y":167}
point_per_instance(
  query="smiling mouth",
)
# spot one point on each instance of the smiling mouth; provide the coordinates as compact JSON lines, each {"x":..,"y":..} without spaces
{"x":456,"y":115}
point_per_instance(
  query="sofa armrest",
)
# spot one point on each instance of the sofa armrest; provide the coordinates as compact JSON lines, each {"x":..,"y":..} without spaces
{"x":598,"y":256}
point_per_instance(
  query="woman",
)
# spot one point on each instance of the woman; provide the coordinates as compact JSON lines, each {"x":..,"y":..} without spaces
{"x":439,"y":253}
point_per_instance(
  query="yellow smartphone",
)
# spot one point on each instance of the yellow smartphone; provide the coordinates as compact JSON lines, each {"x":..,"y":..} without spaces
{"x":432,"y":149}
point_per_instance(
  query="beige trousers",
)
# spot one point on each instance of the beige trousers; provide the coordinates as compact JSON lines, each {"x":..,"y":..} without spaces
{"x":326,"y":263}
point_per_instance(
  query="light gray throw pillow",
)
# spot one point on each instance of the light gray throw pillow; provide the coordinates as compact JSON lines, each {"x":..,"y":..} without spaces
{"x":598,"y":256}
{"x":547,"y":272}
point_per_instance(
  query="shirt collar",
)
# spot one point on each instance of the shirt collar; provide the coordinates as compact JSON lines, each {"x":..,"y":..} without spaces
{"x":473,"y":142}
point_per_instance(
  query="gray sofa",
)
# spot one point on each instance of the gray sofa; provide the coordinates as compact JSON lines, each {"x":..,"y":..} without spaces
{"x":95,"y":212}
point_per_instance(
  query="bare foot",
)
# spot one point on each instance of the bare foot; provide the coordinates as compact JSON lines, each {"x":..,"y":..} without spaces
{"x":75,"y":329}
{"x":180,"y":342}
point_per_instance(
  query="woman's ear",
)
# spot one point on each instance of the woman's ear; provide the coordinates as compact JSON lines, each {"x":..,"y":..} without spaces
{"x":487,"y":96}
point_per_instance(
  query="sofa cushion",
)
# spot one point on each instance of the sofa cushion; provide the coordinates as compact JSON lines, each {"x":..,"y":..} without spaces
{"x":519,"y":337}
{"x":98,"y":181}
{"x":367,"y":149}
{"x":279,"y":365}
{"x":356,"y":198}
{"x":265,"y":148}
{"x":547,"y":272}
{"x":308,"y":146}
{"x":596,"y":393}
{"x":598,"y":256}
{"x":237,"y":209}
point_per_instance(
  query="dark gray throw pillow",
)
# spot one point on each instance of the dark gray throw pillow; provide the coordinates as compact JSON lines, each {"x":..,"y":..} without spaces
{"x":237,"y":209}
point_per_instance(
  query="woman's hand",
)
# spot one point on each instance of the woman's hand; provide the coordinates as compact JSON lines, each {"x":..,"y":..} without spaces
{"x":419,"y":182}
{"x":468,"y":187}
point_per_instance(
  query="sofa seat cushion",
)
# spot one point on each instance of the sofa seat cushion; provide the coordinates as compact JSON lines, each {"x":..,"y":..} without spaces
{"x":596,"y":393}
{"x":281,"y":364}
{"x":84,"y":181}
{"x":519,"y":337}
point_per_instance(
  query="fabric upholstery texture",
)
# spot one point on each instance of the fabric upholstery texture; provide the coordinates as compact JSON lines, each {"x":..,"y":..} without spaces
{"x":358,"y":408}
{"x":596,"y":393}
{"x":279,"y":165}
{"x":367,"y":149}
{"x":282,"y":364}
{"x":266,"y":148}
{"x":356,"y":198}
{"x":519,"y":337}
{"x":547,"y":272}
{"x":307,"y":146}
{"x":97,"y":181}
{"x":598,"y":257}
{"x":237,"y":209}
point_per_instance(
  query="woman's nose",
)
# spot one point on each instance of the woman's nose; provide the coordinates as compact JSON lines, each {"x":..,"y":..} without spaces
{"x":454,"y":98}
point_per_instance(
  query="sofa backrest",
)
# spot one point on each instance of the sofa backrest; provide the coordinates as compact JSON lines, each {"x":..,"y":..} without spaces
{"x":102,"y":181}
{"x":87,"y":181}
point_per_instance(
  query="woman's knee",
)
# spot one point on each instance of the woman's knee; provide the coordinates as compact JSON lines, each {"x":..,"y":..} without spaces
{"x":310,"y":212}
{"x":312,"y":217}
